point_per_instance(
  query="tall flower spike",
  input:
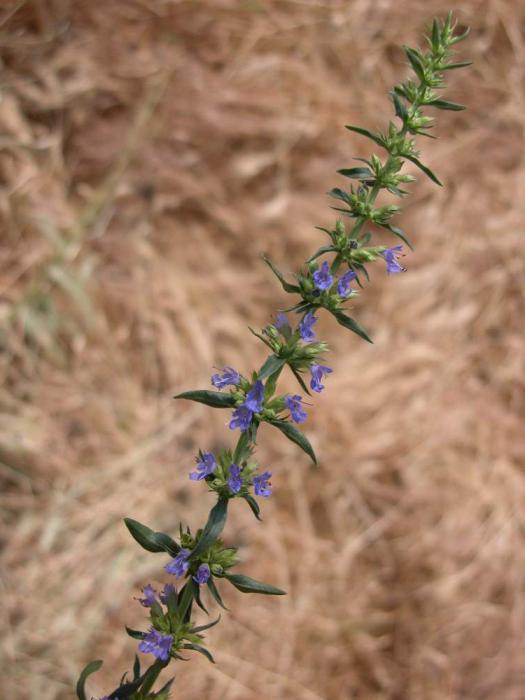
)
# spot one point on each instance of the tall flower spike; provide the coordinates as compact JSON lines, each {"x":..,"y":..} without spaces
{"x":204,"y":552}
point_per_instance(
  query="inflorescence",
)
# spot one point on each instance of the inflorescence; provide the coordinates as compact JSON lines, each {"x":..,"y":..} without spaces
{"x":200,"y":560}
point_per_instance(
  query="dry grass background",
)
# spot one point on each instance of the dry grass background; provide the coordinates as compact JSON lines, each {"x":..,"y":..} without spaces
{"x":150,"y":151}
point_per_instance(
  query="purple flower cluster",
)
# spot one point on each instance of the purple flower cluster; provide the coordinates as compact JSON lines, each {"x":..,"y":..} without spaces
{"x":253,"y":403}
{"x":180,"y":565}
{"x":205,"y":467}
{"x":391,"y":256}
{"x":149,"y":596}
{"x":157,"y":644}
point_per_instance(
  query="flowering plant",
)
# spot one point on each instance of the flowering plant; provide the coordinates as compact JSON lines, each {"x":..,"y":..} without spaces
{"x":200,"y":560}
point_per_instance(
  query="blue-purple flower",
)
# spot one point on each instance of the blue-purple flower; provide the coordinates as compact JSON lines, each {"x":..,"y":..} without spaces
{"x":255,"y":397}
{"x":235,"y":481}
{"x":157,"y":644}
{"x":229,"y":377}
{"x":202,"y":574}
{"x":305,"y":327}
{"x":149,"y":596}
{"x":281,"y":320}
{"x":241,"y":418}
{"x":261,"y":484}
{"x":293,"y":403}
{"x":322,"y":277}
{"x":179,"y":565}
{"x":205,"y":467}
{"x":343,"y":285}
{"x":168,"y":589}
{"x":391,"y":256}
{"x":318,"y":371}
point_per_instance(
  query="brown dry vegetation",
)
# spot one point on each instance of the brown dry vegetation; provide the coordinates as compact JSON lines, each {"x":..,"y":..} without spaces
{"x":150,"y":151}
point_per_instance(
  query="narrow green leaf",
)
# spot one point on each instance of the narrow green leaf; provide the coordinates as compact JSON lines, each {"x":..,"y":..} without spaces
{"x":415,"y":61}
{"x":271,"y":365}
{"x":197,"y":597}
{"x":136,"y":668}
{"x":322,"y":250}
{"x":136,"y":634}
{"x":291,"y":288}
{"x":165,"y":688}
{"x":212,"y":529}
{"x":241,"y":447}
{"x":424,"y":168}
{"x":92,"y":667}
{"x":254,"y":506}
{"x":357,"y":173}
{"x":210,"y":398}
{"x":150,"y":540}
{"x":444,"y":104}
{"x":338,"y":193}
{"x":215,"y":592}
{"x":364,"y":132}
{"x":453,"y":66}
{"x":399,"y":233}
{"x":297,"y":375}
{"x":185,"y":601}
{"x":399,"y":107}
{"x":295,"y":435}
{"x":245,"y":584}
{"x":435,"y":34}
{"x":201,"y":650}
{"x":348,"y":322}
{"x":201,"y":628}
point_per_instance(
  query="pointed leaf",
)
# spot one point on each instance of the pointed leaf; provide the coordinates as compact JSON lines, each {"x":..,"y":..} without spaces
{"x":210,"y":398}
{"x":136,"y":634}
{"x":399,"y":233}
{"x":271,"y":365}
{"x":201,"y":628}
{"x":292,"y":288}
{"x":297,"y":375}
{"x":212,"y":529}
{"x":215,"y":592}
{"x":136,"y":668}
{"x":415,"y":62}
{"x":357,"y":173}
{"x":453,"y":66}
{"x":338,"y":193}
{"x":424,"y":168}
{"x":200,"y":649}
{"x":364,"y":132}
{"x":295,"y":435}
{"x":444,"y":104}
{"x":348,"y":322}
{"x":87,"y":671}
{"x":150,"y":540}
{"x":250,"y":500}
{"x":250,"y":585}
{"x":197,"y":597}
{"x":400,"y":109}
{"x":322,"y":250}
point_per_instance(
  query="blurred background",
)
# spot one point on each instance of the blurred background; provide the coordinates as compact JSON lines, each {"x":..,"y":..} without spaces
{"x":151,"y":150}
